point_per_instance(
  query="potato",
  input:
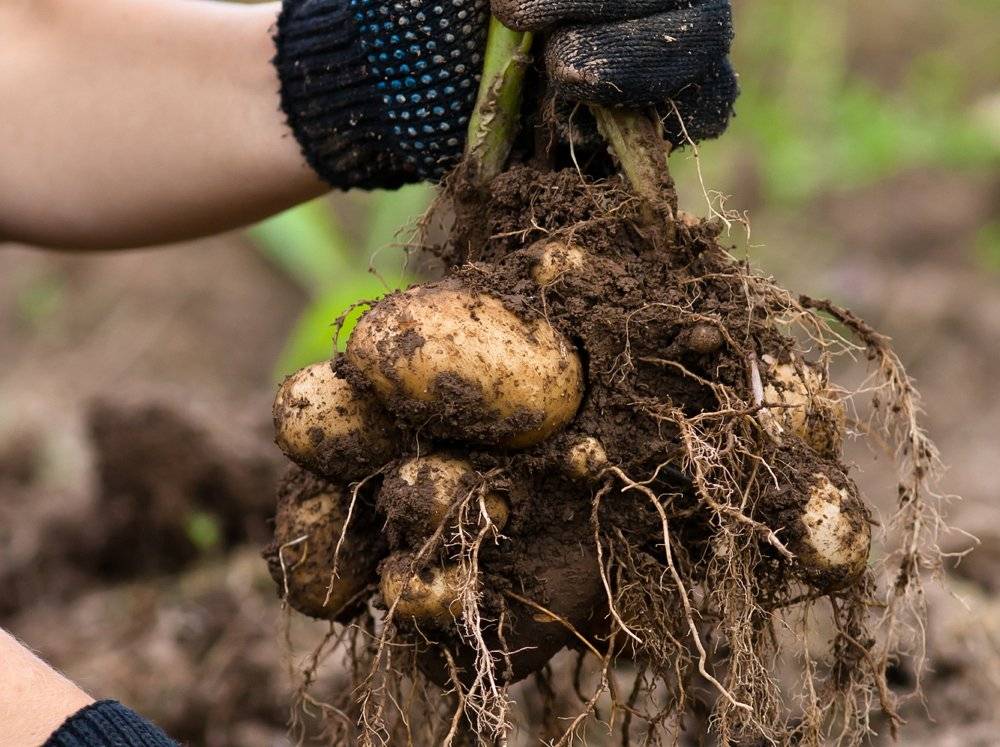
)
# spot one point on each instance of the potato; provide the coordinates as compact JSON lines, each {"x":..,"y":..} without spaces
{"x":429,"y":597}
{"x":322,"y":424}
{"x":308,"y":526}
{"x":832,"y":539}
{"x":556,"y":259}
{"x":461,"y":366}
{"x":419,"y":495}
{"x":702,"y":338}
{"x":806,"y":406}
{"x":585,"y":458}
{"x":560,"y":573}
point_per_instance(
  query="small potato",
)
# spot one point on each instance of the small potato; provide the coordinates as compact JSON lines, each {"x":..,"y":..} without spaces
{"x":833,"y":538}
{"x":561,"y":574}
{"x":430,"y":597}
{"x":555,"y":260}
{"x":586,"y":458}
{"x":461,"y":366}
{"x":702,"y":338}
{"x":322,"y":424}
{"x":806,"y":406}
{"x":430,"y":486}
{"x":308,"y":526}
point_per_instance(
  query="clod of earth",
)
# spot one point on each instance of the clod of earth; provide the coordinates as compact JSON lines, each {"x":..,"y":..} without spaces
{"x":598,"y":432}
{"x":591,"y":441}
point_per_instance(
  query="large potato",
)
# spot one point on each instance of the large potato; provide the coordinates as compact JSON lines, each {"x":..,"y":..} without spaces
{"x":832,"y":537}
{"x":308,"y":526}
{"x":418,"y":496}
{"x":806,"y":406}
{"x":324,"y":425}
{"x":462,"y":366}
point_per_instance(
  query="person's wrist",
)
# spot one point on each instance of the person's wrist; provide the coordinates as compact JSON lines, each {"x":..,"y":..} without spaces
{"x":34,"y":699}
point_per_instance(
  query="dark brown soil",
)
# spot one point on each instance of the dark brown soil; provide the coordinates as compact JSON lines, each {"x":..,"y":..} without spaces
{"x":170,"y":489}
{"x":670,"y":330}
{"x":180,"y":473}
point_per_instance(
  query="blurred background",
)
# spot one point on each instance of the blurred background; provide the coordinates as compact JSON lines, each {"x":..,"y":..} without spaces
{"x":136,"y":465}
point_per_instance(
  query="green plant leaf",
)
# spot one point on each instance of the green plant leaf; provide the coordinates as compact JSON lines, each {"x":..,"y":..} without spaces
{"x":311,"y":338}
{"x":203,"y":530}
{"x":308,"y":244}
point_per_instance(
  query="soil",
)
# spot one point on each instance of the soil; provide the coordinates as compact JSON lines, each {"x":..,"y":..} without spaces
{"x":700,"y":494}
{"x":193,"y":476}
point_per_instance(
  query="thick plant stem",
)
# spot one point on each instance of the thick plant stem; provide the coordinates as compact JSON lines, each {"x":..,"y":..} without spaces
{"x":494,"y":121}
{"x":638,"y":142}
{"x":636,"y":138}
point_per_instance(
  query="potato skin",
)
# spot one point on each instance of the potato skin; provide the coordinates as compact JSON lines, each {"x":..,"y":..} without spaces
{"x":430,"y":597}
{"x":556,"y":260}
{"x":833,"y":538}
{"x":315,"y":510}
{"x":805,"y":406}
{"x":462,"y":366}
{"x":418,"y":495}
{"x":586,"y":458}
{"x":326,"y":426}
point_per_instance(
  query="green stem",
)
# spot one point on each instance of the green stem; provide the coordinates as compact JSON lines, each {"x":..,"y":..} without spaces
{"x":642,"y":151}
{"x":635,"y":137}
{"x":494,"y":122}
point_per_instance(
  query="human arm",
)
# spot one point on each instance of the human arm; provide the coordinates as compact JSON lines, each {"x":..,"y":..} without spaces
{"x":34,"y":699}
{"x":40,"y":706}
{"x":133,"y":122}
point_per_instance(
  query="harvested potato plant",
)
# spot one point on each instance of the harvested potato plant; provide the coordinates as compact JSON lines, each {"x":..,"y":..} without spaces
{"x":616,"y":440}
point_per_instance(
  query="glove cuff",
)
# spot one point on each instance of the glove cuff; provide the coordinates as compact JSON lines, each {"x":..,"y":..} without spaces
{"x":107,"y":722}
{"x":374,"y":97}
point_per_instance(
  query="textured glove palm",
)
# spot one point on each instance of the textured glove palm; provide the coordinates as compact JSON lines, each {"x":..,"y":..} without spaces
{"x":379,"y":92}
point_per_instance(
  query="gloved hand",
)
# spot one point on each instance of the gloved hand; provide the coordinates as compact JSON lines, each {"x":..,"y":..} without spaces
{"x":379,"y":92}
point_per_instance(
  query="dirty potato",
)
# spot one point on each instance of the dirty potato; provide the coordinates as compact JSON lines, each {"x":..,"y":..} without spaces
{"x":464,"y":366}
{"x":325,"y":425}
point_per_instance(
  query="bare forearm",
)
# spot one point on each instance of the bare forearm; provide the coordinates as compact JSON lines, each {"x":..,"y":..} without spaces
{"x":131,"y":122}
{"x":34,"y":699}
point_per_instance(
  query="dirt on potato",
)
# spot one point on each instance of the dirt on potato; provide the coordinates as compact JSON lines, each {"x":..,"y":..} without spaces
{"x":692,"y":539}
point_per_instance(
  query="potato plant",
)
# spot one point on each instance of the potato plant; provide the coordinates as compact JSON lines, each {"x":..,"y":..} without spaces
{"x":598,"y":433}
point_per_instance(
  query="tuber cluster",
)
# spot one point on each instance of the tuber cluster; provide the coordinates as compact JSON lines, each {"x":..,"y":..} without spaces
{"x":555,"y":444}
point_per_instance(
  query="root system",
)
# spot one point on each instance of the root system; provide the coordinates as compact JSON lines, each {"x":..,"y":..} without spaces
{"x":674,"y":559}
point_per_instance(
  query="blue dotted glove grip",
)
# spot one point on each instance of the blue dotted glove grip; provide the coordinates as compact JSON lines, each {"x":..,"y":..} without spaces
{"x":379,"y":93}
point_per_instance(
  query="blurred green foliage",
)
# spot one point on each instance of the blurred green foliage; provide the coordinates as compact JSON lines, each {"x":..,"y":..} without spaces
{"x":203,"y":531}
{"x":39,"y":301}
{"x":338,"y":269}
{"x":822,"y":110}
{"x":988,"y":246}
{"x":836,"y":95}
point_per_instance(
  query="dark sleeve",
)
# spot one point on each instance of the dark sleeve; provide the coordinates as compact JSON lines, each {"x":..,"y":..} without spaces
{"x":108,"y":724}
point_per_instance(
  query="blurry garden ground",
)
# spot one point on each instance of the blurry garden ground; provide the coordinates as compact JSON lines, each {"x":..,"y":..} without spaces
{"x":136,"y":470}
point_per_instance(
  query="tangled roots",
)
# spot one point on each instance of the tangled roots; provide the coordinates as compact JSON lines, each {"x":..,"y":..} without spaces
{"x":620,"y":445}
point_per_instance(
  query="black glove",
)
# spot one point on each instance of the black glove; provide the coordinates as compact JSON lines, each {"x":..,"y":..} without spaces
{"x":379,"y":92}
{"x":639,"y":53}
